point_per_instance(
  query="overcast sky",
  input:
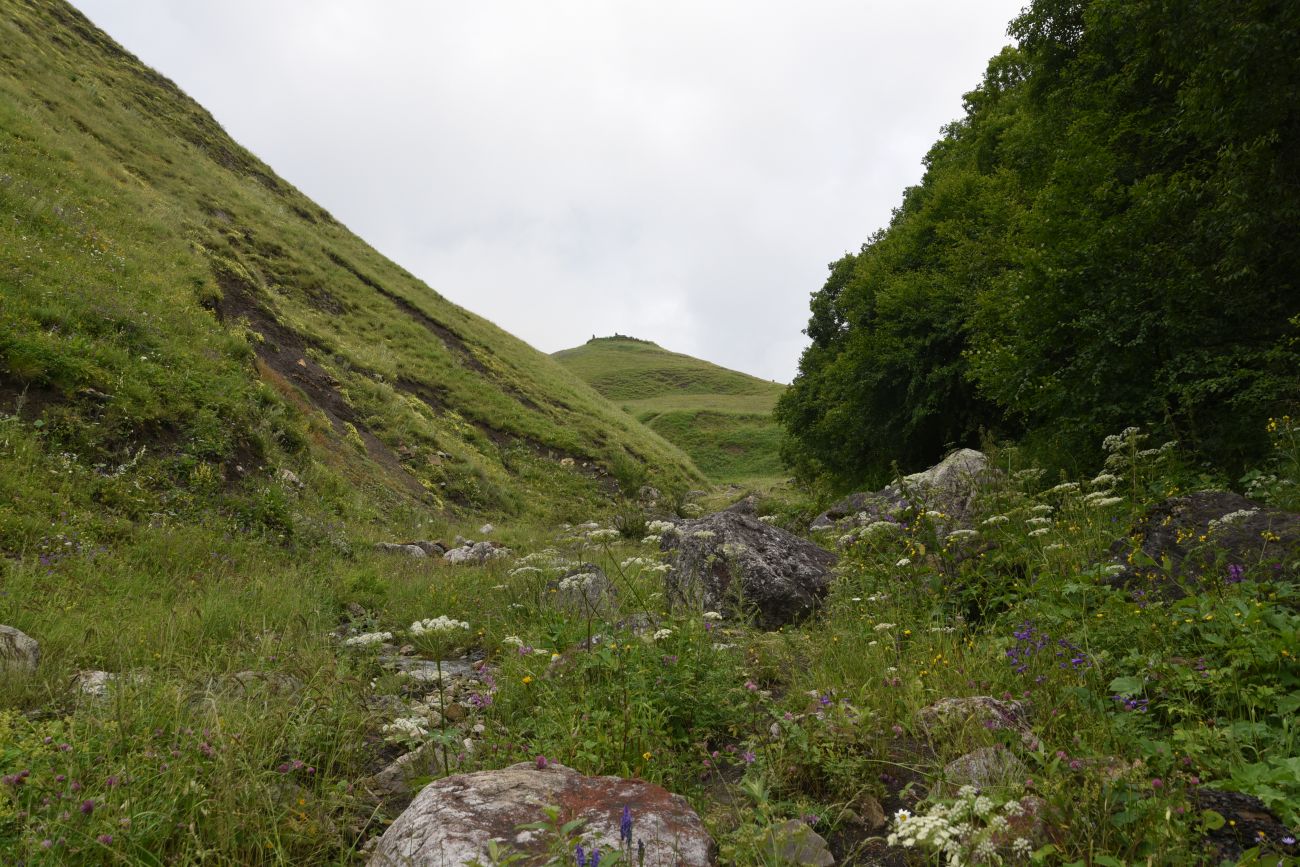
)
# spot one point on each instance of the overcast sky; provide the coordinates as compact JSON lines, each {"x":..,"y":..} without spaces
{"x":677,"y":171}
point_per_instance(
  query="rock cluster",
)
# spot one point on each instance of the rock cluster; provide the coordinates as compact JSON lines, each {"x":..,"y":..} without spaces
{"x":949,"y":487}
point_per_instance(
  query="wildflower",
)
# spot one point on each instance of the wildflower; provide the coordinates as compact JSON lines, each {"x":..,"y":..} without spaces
{"x":751,"y":686}
{"x":661,"y":634}
{"x":441,"y":623}
{"x":882,"y":627}
{"x":542,"y":763}
{"x":87,"y":807}
{"x":528,"y":678}
{"x":368,"y":638}
{"x":1039,"y":522}
{"x":1064,"y":488}
{"x":748,"y":757}
{"x":513,"y":640}
{"x":903,"y":562}
{"x":1236,"y":573}
{"x":996,"y":519}
{"x":1041,"y":531}
{"x":602,"y":535}
{"x":595,"y":858}
{"x":625,"y":826}
{"x":580,"y":855}
{"x":712,"y":615}
{"x":106,"y":839}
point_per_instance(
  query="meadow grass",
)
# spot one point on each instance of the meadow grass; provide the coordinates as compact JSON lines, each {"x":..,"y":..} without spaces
{"x":720,"y":417}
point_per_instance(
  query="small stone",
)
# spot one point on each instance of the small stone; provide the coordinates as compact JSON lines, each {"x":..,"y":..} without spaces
{"x":486,"y":529}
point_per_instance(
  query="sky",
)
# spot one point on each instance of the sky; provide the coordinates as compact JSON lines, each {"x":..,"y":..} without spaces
{"x":682,"y":172}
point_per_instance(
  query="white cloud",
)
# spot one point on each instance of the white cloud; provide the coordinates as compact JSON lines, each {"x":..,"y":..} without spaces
{"x":679,"y":171}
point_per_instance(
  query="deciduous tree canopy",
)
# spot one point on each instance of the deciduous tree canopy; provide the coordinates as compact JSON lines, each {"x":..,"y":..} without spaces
{"x":1108,"y":237}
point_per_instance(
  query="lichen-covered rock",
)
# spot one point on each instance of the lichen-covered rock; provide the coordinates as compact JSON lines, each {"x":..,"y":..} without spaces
{"x":982,"y":711}
{"x":19,"y":652}
{"x":986,"y":768}
{"x":452,"y":820}
{"x":949,"y":486}
{"x":1209,"y":535}
{"x":476,"y":554}
{"x":798,"y":845}
{"x":735,"y":564}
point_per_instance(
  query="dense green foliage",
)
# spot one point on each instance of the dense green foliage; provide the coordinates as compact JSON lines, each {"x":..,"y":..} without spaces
{"x":720,"y":417}
{"x":1109,"y":236}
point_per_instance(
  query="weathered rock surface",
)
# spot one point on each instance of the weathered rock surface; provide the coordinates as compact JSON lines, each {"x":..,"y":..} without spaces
{"x":583,"y":589}
{"x":1208,"y":534}
{"x":983,"y":709}
{"x":949,"y":486}
{"x":19,"y":652}
{"x":734,"y":564}
{"x":1248,"y":823}
{"x":985,"y":768}
{"x":476,"y":554}
{"x":451,"y":821}
{"x":795,"y":843}
{"x":410,"y":550}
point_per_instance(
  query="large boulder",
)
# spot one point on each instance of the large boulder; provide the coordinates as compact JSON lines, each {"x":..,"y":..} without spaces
{"x":452,"y":820}
{"x":735,"y":564}
{"x":19,"y":652}
{"x":949,"y":486}
{"x":1186,"y":541}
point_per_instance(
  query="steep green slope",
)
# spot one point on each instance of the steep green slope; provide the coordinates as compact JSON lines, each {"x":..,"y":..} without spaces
{"x":720,"y":417}
{"x":169,"y":304}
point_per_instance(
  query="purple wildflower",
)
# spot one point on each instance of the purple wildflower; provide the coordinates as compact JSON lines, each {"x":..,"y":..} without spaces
{"x":748,"y":757}
{"x":595,"y":858}
{"x":1236,"y":573}
{"x":87,"y":807}
{"x":580,"y":855}
{"x":106,"y":839}
{"x":625,"y":826}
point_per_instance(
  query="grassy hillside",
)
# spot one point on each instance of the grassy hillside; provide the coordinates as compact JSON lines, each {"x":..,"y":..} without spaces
{"x":168,"y":302}
{"x":720,"y":417}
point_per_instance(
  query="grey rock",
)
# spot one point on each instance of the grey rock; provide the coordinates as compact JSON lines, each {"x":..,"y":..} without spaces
{"x":290,"y":478}
{"x":452,"y":820}
{"x":1238,"y":532}
{"x":795,"y":843}
{"x":486,"y":529}
{"x":19,"y":652}
{"x":476,"y":554}
{"x":983,"y":710}
{"x":985,"y":768}
{"x":949,"y":486}
{"x":395,"y":548}
{"x":433,"y":549}
{"x":394,"y":782}
{"x":93,"y":684}
{"x":747,"y":505}
{"x":733,"y":563}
